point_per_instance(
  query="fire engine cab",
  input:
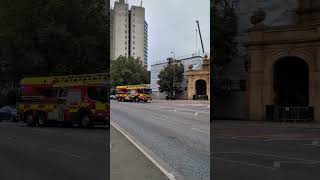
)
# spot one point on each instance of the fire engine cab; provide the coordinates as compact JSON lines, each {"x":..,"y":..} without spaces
{"x":72,"y":99}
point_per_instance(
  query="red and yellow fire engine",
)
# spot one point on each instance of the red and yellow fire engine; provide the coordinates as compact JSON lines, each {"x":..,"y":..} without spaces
{"x":72,"y":99}
{"x":134,"y":93}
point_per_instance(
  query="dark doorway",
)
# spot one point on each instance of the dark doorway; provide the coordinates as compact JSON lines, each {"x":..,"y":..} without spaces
{"x":291,"y":82}
{"x":201,"y":87}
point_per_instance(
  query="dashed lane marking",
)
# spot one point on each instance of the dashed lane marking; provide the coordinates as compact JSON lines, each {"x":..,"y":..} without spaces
{"x":199,"y":130}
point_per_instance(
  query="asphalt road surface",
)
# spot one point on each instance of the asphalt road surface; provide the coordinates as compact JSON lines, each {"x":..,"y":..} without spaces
{"x":176,"y":133}
{"x":264,"y":151}
{"x":51,"y":153}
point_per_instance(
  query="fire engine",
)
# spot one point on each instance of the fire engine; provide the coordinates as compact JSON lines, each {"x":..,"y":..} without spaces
{"x":72,"y":99}
{"x":134,"y":93}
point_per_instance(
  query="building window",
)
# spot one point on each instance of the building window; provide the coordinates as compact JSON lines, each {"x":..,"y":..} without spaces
{"x":133,"y":48}
{"x":134,"y":37}
{"x":133,"y":42}
{"x":125,"y":37}
{"x":133,"y":53}
{"x":125,"y":42}
{"x":134,"y":25}
{"x":125,"y":31}
{"x":134,"y":31}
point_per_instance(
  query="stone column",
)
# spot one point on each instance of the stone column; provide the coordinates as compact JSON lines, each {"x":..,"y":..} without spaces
{"x":256,"y":107}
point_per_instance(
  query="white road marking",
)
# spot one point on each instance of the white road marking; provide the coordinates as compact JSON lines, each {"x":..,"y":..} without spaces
{"x":315,"y":143}
{"x":64,"y":152}
{"x":156,"y":117}
{"x":242,"y":163}
{"x":276,"y":164}
{"x":125,"y":134}
{"x":199,"y":130}
{"x":269,"y":155}
{"x":233,"y":138}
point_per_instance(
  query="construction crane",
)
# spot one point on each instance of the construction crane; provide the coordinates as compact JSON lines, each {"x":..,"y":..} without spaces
{"x":200,"y":35}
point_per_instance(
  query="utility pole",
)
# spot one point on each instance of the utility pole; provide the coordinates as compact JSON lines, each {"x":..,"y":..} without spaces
{"x":200,"y":35}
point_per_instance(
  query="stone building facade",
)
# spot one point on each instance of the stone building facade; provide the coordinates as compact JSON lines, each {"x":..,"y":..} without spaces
{"x":198,"y":81}
{"x":284,"y":63}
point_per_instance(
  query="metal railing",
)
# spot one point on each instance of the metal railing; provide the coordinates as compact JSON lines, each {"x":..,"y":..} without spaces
{"x":200,"y":97}
{"x":290,"y":114}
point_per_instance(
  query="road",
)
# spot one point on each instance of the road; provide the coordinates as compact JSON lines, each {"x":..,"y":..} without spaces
{"x":177,"y":135}
{"x":51,"y":153}
{"x":264,"y":151}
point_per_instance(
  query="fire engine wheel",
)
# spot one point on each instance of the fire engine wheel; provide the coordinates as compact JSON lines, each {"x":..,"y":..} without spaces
{"x":41,"y":119}
{"x":30,"y":121}
{"x":85,"y":121}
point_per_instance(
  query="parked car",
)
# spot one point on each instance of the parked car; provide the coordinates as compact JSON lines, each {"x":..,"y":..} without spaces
{"x":8,"y":113}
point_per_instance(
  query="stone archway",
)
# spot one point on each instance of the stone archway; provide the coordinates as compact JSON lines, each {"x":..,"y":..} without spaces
{"x":201,"y":87}
{"x":268,"y":85}
{"x":291,"y":82}
{"x":267,"y":46}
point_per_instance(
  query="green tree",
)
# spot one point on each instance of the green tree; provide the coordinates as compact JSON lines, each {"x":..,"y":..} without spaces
{"x":128,"y":71}
{"x":54,"y":37}
{"x":224,"y":24}
{"x":170,"y":77}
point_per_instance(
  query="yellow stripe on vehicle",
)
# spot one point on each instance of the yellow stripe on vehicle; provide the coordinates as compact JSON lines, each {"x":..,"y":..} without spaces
{"x":34,"y":106}
{"x":73,"y":110}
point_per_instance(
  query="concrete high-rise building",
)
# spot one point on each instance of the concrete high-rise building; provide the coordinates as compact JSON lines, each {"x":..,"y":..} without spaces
{"x":129,"y":32}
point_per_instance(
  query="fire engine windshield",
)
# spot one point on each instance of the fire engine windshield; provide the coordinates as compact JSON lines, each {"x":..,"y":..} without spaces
{"x":121,"y":91}
{"x":145,"y":91}
{"x":98,"y":93}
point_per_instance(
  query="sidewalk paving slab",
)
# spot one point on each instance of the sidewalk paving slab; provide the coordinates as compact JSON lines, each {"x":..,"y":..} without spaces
{"x":128,"y":163}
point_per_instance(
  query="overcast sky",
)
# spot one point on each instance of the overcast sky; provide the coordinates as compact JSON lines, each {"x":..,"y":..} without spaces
{"x":172,"y":27}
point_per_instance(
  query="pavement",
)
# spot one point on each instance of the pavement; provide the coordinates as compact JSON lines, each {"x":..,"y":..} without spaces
{"x":51,"y":153}
{"x":264,"y":151}
{"x":175,"y":134}
{"x":128,"y":163}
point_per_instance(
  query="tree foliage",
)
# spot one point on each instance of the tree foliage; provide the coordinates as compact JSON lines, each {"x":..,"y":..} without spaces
{"x":170,"y":77}
{"x":224,"y":45}
{"x":128,"y":71}
{"x":54,"y":37}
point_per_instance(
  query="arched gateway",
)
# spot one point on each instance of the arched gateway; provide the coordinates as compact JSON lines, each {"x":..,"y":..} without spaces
{"x":284,"y":72}
{"x":291,"y":82}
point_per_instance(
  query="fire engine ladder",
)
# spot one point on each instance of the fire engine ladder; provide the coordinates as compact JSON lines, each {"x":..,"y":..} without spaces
{"x":78,"y":80}
{"x":69,"y":80}
{"x":138,"y":86}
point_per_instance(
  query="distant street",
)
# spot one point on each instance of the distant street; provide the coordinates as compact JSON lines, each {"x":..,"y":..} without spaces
{"x":176,"y":133}
{"x":265,"y":151}
{"x":51,"y":153}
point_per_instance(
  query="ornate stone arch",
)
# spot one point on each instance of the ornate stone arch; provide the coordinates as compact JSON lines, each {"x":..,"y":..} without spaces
{"x":195,"y":81}
{"x":268,"y":71}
